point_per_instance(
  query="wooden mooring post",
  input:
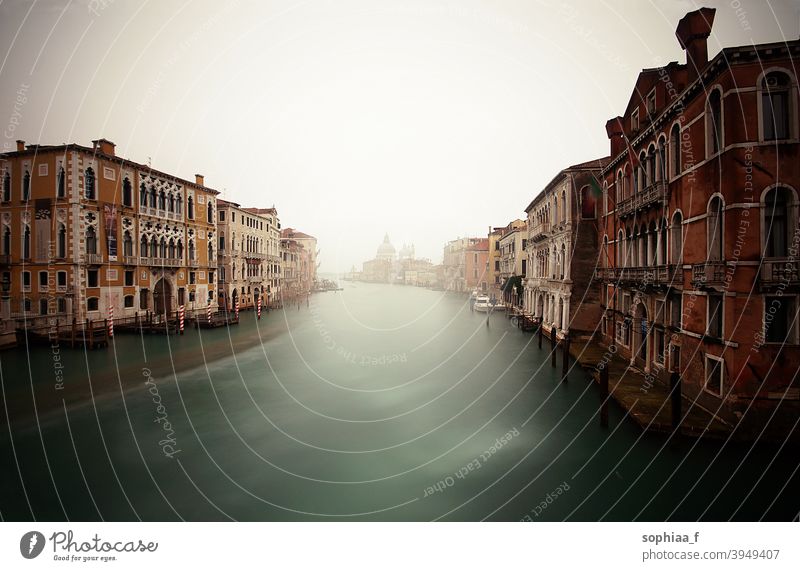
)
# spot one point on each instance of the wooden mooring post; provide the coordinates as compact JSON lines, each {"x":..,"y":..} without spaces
{"x":541,"y":324}
{"x":74,"y":327}
{"x":553,"y":346}
{"x":565,"y":358}
{"x":604,"y":397}
{"x":675,"y":393}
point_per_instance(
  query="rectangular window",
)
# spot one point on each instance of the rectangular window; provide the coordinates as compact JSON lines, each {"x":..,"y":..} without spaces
{"x":715,"y":368}
{"x":779,"y":317}
{"x":714,"y":315}
{"x":111,"y":275}
{"x":651,"y":101}
{"x":43,"y":169}
{"x":44,"y":276}
{"x":92,"y":278}
{"x":676,"y":306}
{"x":26,"y":281}
{"x":143,"y":298}
{"x":222,"y":216}
{"x":129,"y":277}
{"x":61,"y":280}
{"x":635,"y":120}
{"x":192,"y":277}
{"x":92,"y":304}
{"x":109,"y":174}
{"x":128,"y":301}
{"x":660,"y":345}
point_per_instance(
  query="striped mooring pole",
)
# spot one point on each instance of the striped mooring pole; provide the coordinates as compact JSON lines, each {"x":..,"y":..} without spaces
{"x":181,"y":315}
{"x":259,"y":307}
{"x":110,"y":320}
{"x":208,"y":312}
{"x":237,"y":310}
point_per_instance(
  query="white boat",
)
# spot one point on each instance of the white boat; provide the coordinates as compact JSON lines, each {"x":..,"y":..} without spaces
{"x":482,"y":303}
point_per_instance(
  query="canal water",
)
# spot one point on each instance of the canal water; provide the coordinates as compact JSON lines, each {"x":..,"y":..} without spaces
{"x":373,"y":403}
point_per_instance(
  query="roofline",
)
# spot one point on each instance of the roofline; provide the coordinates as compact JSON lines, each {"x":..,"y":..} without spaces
{"x":42,"y":149}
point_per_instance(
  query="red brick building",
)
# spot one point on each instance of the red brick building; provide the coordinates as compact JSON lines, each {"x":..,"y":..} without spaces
{"x":699,"y":226}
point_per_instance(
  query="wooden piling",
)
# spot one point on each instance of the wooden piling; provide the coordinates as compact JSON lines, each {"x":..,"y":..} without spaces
{"x":74,"y":326}
{"x":675,"y":394}
{"x":604,"y":397}
{"x":565,"y":358}
{"x":91,"y":334}
{"x":553,"y":346}
{"x":541,"y":324}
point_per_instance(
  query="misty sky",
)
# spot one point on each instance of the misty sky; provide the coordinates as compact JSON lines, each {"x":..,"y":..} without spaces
{"x":425,"y":119}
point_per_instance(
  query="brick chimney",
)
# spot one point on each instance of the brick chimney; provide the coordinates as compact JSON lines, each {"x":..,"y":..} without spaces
{"x":614,"y":132}
{"x":20,"y":145}
{"x":198,"y":179}
{"x":104,"y":146}
{"x":692,"y":33}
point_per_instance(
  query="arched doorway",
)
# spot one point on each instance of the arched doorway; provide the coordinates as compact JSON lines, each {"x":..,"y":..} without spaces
{"x":641,"y":331}
{"x":234,"y":298}
{"x":255,"y":296}
{"x":162,"y":297}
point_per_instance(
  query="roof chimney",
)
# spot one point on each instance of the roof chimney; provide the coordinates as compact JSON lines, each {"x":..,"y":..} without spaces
{"x":692,"y":32}
{"x":614,"y":132}
{"x":104,"y":146}
{"x":20,"y":145}
{"x":198,"y":179}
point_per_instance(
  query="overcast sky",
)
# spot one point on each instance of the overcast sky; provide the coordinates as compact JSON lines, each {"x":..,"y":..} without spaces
{"x":426,"y":119}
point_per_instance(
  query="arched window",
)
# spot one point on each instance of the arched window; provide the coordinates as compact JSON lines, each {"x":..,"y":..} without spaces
{"x":210,"y":253}
{"x":564,"y":212}
{"x":677,"y":239}
{"x":714,"y":122}
{"x":127,"y":192}
{"x":604,"y":253}
{"x":714,"y":223}
{"x":6,"y":186}
{"x":61,"y":190}
{"x":91,"y":240}
{"x":142,"y":195}
{"x":26,"y":186}
{"x":619,"y":249}
{"x":210,"y":213}
{"x":605,"y":198}
{"x":89,"y":183}
{"x":143,"y":250}
{"x":776,"y":108}
{"x":662,"y":244}
{"x":162,"y":248}
{"x":171,"y":203}
{"x":153,"y":247}
{"x":162,"y":200}
{"x":675,"y":151}
{"x":661,"y":160}
{"x":152,"y":197}
{"x":776,"y":222}
{"x":191,"y":250}
{"x":61,"y":244}
{"x":179,"y":204}
{"x":127,"y":244}
{"x":190,"y":208}
{"x":171,"y":248}
{"x":6,"y":241}
{"x":180,"y":249}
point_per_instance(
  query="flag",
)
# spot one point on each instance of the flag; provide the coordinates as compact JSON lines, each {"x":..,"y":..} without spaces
{"x":597,"y":190}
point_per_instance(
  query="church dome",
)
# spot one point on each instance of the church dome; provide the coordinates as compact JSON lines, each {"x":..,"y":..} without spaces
{"x":386,"y":250}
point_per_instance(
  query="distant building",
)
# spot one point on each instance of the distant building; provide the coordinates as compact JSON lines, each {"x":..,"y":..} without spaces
{"x":562,"y":250}
{"x":454,"y":262}
{"x":513,"y":260}
{"x":476,"y":259}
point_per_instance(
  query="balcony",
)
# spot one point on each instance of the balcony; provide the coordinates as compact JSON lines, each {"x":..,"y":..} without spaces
{"x":777,"y":271}
{"x":130,"y":260}
{"x":5,"y":260}
{"x":654,"y":195}
{"x":663,"y":275}
{"x":710,"y":273}
{"x":194,"y":262}
{"x":539,"y":233}
{"x":94,"y":259}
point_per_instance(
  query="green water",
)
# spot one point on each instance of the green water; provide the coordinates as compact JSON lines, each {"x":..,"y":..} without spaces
{"x":373,"y":403}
